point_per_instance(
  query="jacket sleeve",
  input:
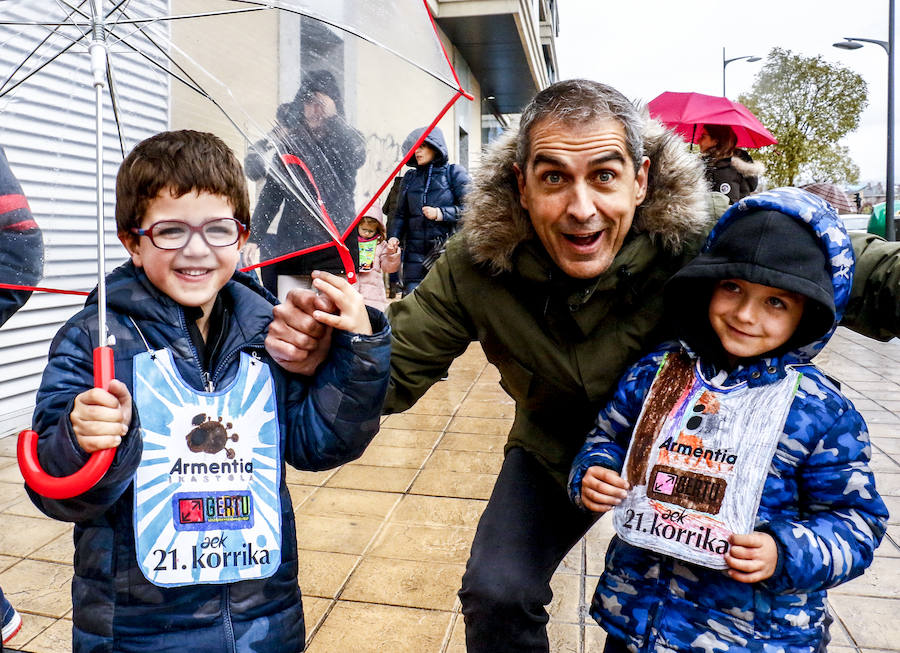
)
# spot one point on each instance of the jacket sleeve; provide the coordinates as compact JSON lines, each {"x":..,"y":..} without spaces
{"x":607,"y":443}
{"x":343,"y":147}
{"x":430,"y":328}
{"x":845,"y":518}
{"x":874,"y":306}
{"x":255,"y":161}
{"x":458,"y":179}
{"x":21,"y":243}
{"x":69,"y":372}
{"x":332,"y":422}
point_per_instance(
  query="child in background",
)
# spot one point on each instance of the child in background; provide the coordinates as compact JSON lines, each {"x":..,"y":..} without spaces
{"x":188,"y":542}
{"x":376,"y":256}
{"x":744,"y":458}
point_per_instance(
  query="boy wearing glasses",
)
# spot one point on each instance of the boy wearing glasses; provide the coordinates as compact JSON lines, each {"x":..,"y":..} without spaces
{"x":188,"y":542}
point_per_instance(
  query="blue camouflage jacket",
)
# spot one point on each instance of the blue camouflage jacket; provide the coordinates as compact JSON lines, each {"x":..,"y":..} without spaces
{"x":324,"y":421}
{"x":819,"y":500}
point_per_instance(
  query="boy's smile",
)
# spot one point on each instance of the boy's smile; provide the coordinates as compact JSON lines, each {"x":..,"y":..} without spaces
{"x":194,"y":274}
{"x":751,"y":319}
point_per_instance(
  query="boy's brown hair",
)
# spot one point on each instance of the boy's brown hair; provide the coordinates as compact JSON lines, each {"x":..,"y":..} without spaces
{"x":182,"y":161}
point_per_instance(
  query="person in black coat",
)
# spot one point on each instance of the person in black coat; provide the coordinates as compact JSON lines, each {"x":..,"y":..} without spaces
{"x":428,"y":207}
{"x":729,"y":170}
{"x":312,"y":130}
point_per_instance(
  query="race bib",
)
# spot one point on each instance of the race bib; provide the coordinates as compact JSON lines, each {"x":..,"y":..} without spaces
{"x":206,"y":492}
{"x":698,"y":459}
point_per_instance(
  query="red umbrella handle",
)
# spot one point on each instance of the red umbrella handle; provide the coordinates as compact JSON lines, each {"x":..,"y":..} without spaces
{"x":66,"y":487}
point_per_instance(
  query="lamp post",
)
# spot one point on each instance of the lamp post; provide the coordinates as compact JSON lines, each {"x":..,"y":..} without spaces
{"x":854,"y":44}
{"x":725,"y":62}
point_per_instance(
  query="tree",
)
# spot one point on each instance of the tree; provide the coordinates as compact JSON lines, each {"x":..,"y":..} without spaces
{"x":809,"y":105}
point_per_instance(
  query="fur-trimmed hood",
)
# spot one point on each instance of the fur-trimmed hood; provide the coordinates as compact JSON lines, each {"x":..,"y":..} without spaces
{"x":675,"y":211}
{"x":747,"y":167}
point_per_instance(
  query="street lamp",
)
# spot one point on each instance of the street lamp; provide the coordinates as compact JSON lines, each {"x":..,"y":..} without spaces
{"x":725,"y":62}
{"x":855,"y":44}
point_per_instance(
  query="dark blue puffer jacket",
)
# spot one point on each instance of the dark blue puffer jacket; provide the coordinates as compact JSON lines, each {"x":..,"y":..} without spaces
{"x":323,"y":421}
{"x":439,"y":184}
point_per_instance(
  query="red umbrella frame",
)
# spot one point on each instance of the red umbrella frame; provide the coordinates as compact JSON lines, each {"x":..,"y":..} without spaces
{"x":686,"y":113}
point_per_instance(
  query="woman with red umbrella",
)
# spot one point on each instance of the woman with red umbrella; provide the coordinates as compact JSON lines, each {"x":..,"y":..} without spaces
{"x":729,"y":169}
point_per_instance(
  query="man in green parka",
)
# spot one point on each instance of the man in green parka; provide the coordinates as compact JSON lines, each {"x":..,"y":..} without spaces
{"x":572,"y":226}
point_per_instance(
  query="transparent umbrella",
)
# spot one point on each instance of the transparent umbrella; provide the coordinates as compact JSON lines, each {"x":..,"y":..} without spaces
{"x":309,"y":92}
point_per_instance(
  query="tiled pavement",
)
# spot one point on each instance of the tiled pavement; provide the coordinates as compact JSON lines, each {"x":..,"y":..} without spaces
{"x":384,"y":540}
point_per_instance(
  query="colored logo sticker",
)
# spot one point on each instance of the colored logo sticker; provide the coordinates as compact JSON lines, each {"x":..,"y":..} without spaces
{"x":687,"y":489}
{"x":664,"y":483}
{"x":200,"y":511}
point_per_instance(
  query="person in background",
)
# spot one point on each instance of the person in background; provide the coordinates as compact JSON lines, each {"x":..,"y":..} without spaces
{"x":376,"y":256}
{"x":311,"y":132}
{"x":428,"y":206}
{"x":729,"y":169}
{"x":791,"y":509}
{"x":21,"y":264}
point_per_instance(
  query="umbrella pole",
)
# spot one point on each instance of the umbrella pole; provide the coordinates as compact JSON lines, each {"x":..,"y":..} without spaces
{"x":103,"y":355}
{"x":97,"y":51}
{"x":95,"y":468}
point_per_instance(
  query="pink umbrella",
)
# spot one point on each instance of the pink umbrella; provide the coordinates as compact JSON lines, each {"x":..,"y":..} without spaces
{"x":686,"y":113}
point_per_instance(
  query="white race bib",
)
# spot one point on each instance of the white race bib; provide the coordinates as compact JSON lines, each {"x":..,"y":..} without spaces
{"x":698,"y":459}
{"x":206,"y":492}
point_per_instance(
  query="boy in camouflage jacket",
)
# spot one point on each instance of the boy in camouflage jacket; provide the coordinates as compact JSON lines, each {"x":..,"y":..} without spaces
{"x":760,"y":301}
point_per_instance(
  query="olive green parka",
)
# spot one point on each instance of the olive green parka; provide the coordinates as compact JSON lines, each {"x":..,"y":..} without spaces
{"x":560,"y":343}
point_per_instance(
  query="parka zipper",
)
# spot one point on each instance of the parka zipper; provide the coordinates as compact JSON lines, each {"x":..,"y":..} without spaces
{"x":226,"y":616}
{"x":210,"y":380}
{"x":225,"y":360}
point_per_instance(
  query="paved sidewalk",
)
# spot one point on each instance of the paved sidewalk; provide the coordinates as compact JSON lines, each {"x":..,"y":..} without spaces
{"x":384,"y":540}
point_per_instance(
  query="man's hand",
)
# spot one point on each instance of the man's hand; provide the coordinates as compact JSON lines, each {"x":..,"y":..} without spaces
{"x":752,"y":558}
{"x":99,"y":418}
{"x":602,"y":489}
{"x":432,"y":213}
{"x":352,"y":315}
{"x":392,"y":246}
{"x":296,"y":340}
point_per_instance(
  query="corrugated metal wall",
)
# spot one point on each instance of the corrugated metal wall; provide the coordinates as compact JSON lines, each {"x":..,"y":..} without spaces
{"x":47,"y":128}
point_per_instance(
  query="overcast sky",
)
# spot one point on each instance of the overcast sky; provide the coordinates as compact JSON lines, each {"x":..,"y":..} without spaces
{"x":645,"y":47}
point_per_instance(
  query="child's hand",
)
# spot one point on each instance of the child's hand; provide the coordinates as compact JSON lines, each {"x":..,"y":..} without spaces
{"x":752,"y":558}
{"x":100,"y":418}
{"x":602,"y":489}
{"x":352,"y":315}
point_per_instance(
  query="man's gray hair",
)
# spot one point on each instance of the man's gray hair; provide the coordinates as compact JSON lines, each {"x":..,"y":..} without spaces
{"x":581,"y":101}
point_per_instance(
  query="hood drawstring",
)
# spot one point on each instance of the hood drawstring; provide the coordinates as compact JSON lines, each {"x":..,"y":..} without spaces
{"x":427,"y":184}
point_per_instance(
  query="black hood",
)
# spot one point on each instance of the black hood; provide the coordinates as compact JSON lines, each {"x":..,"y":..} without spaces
{"x":435,"y":139}
{"x":765,"y":247}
